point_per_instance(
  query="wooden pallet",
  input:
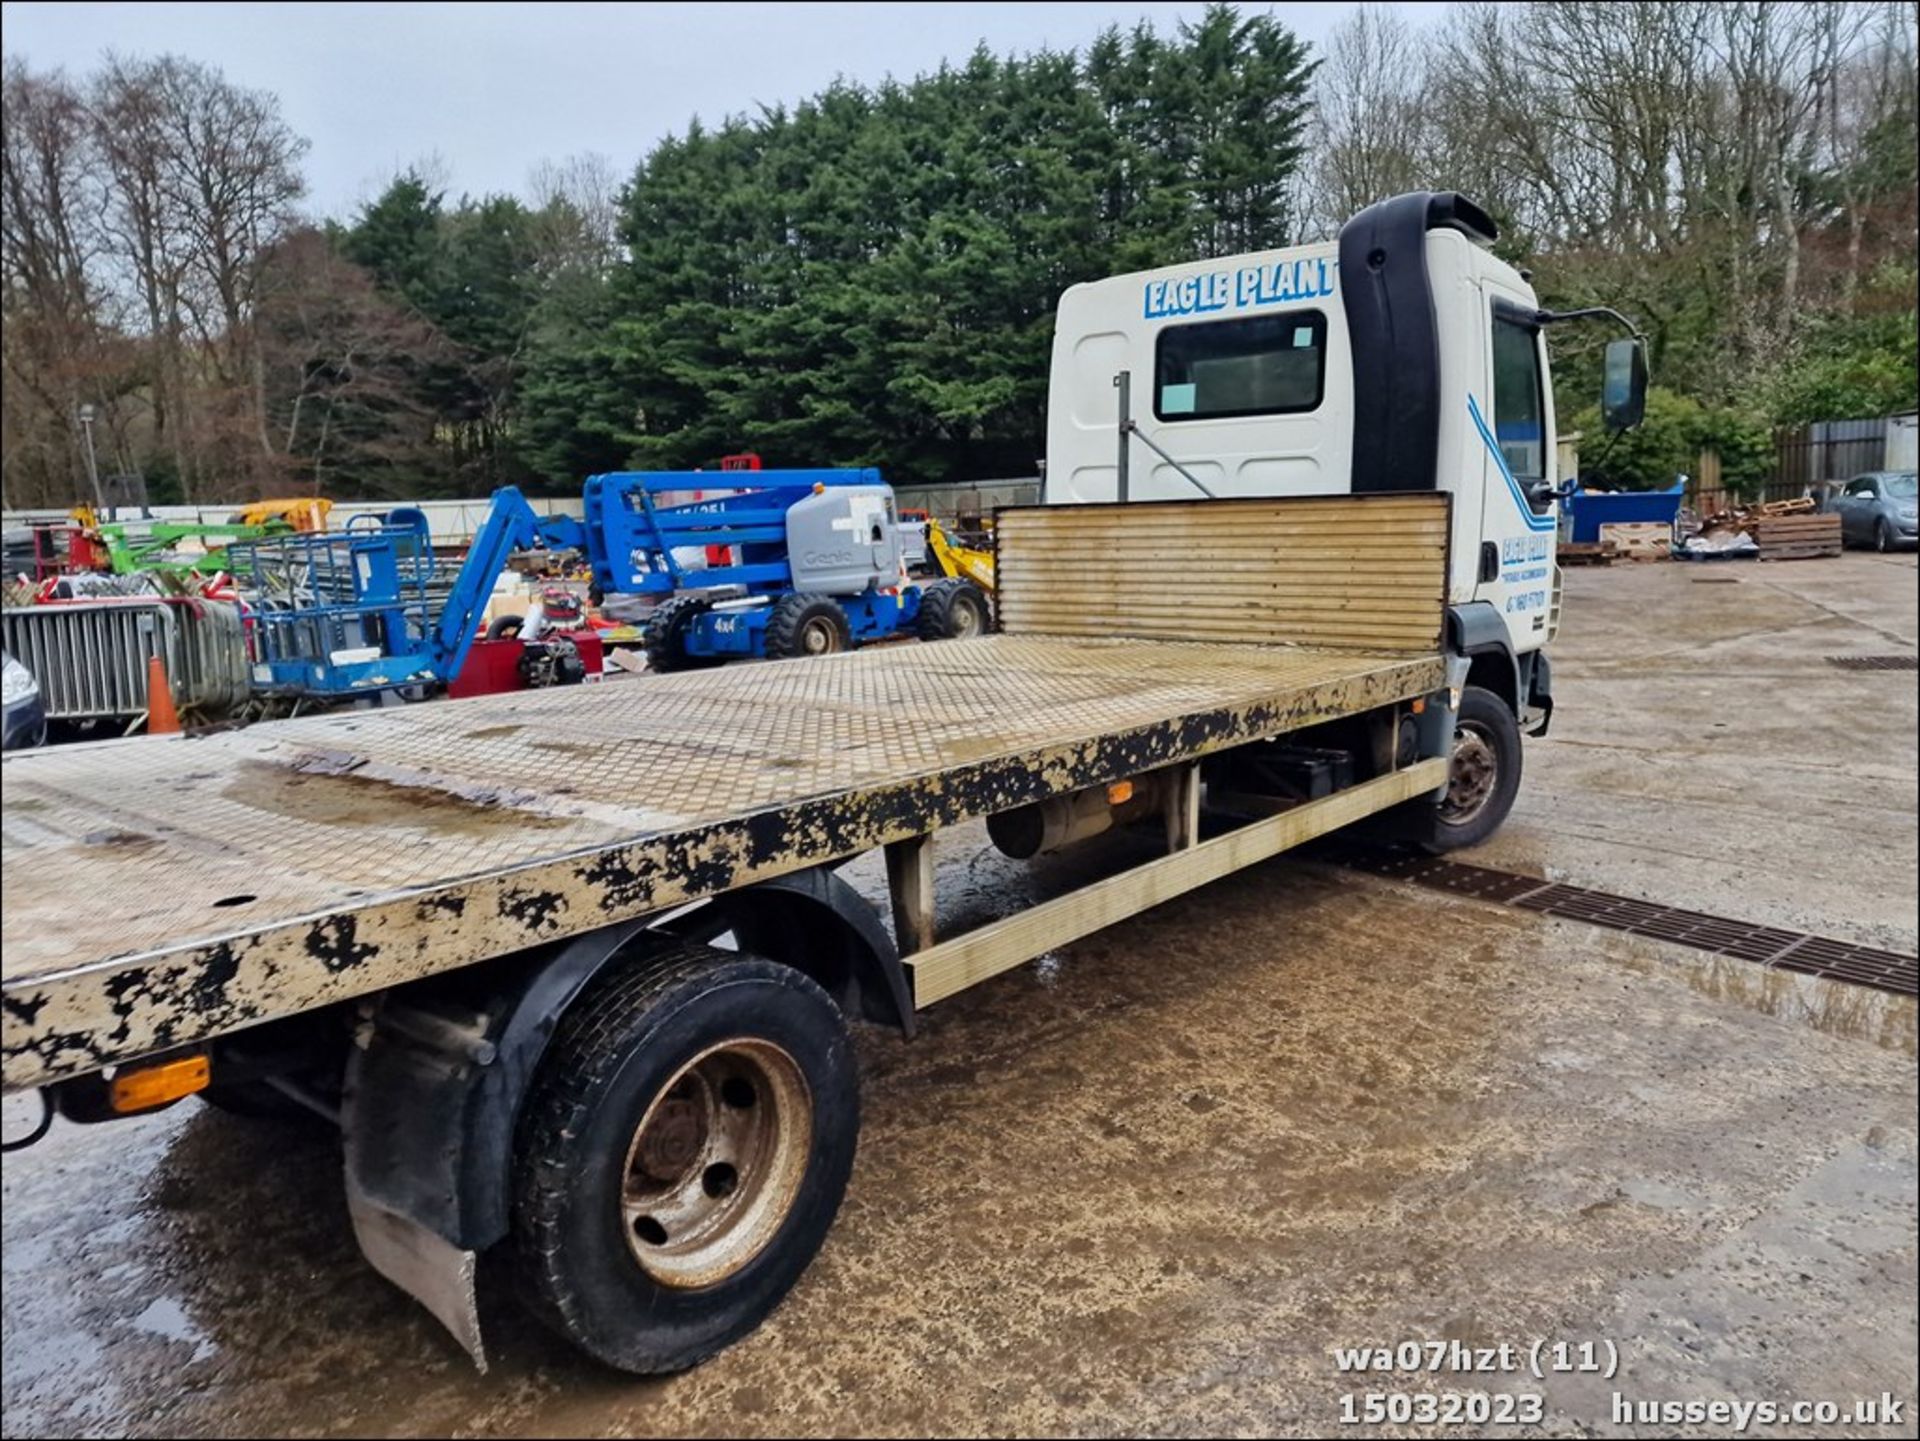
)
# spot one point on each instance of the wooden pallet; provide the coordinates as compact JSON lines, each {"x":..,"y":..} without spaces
{"x":1803,"y":536}
{"x":1639,"y":539}
{"x":1584,"y":554}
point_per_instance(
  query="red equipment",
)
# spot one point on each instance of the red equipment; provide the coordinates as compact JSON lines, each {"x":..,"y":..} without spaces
{"x":493,"y":666}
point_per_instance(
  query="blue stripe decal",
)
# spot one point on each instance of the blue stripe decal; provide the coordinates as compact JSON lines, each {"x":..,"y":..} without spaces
{"x":1534,"y":521}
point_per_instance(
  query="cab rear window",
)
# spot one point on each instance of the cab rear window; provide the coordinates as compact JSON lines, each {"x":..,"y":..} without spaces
{"x":1260,"y":365}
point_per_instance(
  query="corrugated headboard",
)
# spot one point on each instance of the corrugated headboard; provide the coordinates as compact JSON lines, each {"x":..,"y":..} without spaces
{"x":1344,"y":572}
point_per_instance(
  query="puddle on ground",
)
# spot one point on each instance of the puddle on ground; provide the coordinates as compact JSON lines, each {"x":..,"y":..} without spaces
{"x":166,"y":1319}
{"x":1834,"y":1008}
{"x":353,"y":798}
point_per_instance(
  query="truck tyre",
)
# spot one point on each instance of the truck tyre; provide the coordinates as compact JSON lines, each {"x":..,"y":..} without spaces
{"x":803,"y":625}
{"x":1485,"y":773}
{"x":681,"y":1154}
{"x":666,"y":634}
{"x":952,"y":610}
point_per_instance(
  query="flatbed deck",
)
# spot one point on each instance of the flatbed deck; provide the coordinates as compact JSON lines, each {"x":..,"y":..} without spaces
{"x":180,"y":889}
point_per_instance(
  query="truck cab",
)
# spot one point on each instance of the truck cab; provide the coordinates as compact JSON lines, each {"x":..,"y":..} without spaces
{"x":1403,"y":356}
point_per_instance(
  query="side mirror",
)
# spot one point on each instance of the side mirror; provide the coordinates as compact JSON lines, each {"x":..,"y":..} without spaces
{"x":1623,"y":394}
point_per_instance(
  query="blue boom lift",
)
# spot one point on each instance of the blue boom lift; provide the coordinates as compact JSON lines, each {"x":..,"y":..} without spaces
{"x":793,"y":562}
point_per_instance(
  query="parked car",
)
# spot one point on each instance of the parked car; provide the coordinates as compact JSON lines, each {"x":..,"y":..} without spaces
{"x":26,"y":716}
{"x":1877,"y":509}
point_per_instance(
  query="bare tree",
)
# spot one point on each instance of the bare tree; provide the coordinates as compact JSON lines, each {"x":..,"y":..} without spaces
{"x":1776,"y":64}
{"x":341,"y":362}
{"x":1867,"y":146}
{"x":231,"y":176}
{"x":578,"y":202}
{"x":148,"y":232}
{"x":1369,"y":121}
{"x":49,"y":246}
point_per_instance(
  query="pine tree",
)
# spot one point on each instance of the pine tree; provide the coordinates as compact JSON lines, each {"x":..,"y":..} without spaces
{"x":870,"y":277}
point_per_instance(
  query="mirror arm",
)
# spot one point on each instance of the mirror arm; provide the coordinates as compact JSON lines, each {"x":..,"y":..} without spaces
{"x":1554,"y":317}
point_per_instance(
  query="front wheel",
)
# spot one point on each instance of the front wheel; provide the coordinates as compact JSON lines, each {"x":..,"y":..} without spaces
{"x":1883,"y":537}
{"x":682,"y":1154}
{"x":1484,"y":776}
{"x":807,"y":625}
{"x":952,"y":610}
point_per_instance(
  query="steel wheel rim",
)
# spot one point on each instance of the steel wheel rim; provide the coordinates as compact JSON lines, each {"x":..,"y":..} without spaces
{"x":818,"y":637}
{"x":966,"y":620}
{"x":1472,"y":774}
{"x":716,"y":1163}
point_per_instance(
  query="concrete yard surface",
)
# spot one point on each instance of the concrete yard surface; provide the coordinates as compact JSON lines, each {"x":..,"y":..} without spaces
{"x":1708,"y":754}
{"x":1156,"y":1183}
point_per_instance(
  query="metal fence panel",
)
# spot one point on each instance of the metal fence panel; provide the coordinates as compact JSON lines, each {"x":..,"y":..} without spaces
{"x":1809,"y":455}
{"x":90,"y":657}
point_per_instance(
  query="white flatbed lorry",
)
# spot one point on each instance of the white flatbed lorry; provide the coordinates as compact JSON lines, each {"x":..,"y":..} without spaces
{"x":572,"y":969}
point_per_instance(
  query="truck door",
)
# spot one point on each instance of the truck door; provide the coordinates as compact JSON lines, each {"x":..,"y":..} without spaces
{"x":1517,"y":439}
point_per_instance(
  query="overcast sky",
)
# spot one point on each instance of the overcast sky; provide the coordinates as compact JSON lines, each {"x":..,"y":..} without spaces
{"x":492,"y":89}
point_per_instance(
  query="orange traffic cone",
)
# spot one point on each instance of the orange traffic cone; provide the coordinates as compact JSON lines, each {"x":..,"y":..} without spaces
{"x":162,"y":718}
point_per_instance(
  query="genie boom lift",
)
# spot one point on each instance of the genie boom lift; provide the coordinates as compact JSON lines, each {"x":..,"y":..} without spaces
{"x":791,"y":563}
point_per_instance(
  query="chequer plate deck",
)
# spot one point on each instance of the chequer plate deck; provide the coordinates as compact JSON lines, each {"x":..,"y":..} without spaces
{"x":161,"y":892}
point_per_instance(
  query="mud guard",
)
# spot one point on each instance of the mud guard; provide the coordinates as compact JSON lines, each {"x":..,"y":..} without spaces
{"x":438,"y":1275}
{"x":1540,"y":691}
{"x":1475,"y":630}
{"x":439,"y":1071}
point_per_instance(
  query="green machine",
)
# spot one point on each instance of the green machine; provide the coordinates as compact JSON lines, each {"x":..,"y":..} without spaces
{"x":158,"y":548}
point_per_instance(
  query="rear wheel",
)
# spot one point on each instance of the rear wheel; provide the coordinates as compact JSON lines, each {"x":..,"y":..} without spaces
{"x":682,"y":1154}
{"x":952,"y":610}
{"x":807,"y":625}
{"x":1484,"y":776}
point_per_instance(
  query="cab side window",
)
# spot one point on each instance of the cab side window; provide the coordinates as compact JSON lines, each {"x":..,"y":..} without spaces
{"x":1224,"y":369}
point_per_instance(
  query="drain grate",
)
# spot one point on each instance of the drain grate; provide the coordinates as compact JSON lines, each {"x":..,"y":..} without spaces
{"x":1875,"y":662}
{"x":1767,"y":945}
